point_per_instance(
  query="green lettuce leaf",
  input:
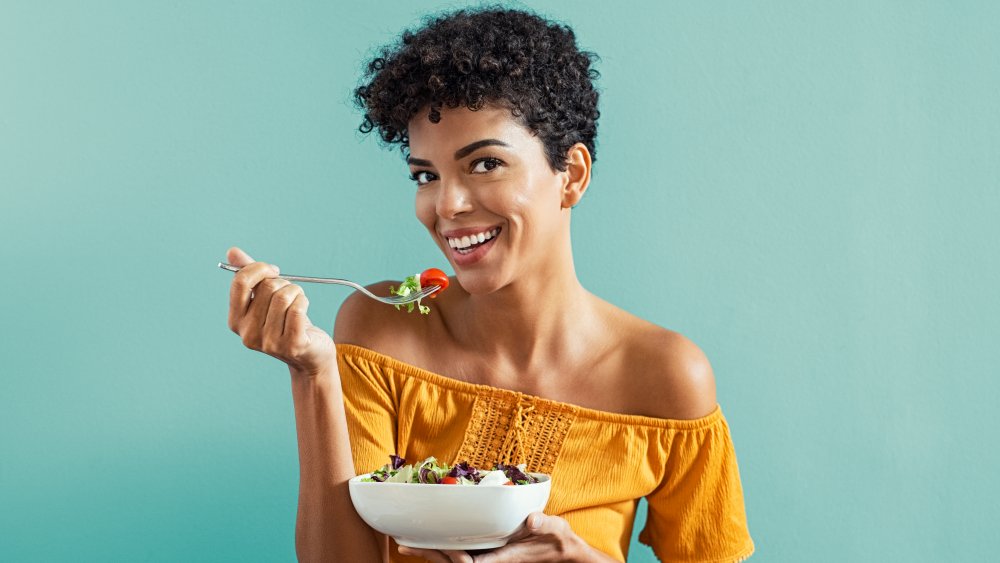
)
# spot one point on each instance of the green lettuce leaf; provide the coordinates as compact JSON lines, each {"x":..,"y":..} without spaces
{"x":410,"y":285}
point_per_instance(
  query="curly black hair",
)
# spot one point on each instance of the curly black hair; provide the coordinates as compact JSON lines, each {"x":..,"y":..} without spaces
{"x":486,"y":56}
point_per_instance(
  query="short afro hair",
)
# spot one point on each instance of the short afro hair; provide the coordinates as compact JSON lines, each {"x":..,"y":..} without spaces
{"x":486,"y":56}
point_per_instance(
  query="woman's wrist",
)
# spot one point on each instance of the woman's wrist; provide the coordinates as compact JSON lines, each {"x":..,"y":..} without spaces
{"x":308,"y":374}
{"x":306,"y":383}
{"x":325,"y":368}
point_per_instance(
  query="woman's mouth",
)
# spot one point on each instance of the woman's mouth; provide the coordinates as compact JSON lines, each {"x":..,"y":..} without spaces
{"x":471,"y":248}
{"x":467,"y":244}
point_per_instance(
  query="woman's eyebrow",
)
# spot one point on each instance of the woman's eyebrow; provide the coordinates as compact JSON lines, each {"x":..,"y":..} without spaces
{"x":467,"y":149}
{"x":462,"y":152}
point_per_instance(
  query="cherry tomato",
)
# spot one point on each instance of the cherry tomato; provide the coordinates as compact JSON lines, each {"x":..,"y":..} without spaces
{"x":434,"y":276}
{"x":449,"y":480}
{"x":509,"y":483}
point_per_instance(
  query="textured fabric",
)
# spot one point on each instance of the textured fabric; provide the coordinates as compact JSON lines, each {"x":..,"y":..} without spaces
{"x":686,"y":469}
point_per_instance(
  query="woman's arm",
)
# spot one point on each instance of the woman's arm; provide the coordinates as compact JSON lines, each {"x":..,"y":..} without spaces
{"x":270,"y":315}
{"x":327,"y":527}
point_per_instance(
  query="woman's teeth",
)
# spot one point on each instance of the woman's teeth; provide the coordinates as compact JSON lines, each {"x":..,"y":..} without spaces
{"x":465,"y":244}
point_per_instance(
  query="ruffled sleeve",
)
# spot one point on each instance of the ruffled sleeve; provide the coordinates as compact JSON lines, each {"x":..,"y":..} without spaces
{"x":696,"y":514}
{"x":371,"y":405}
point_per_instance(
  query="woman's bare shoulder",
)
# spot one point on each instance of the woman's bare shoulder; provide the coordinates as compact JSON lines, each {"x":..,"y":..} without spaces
{"x":365,"y":322}
{"x":671,"y":375}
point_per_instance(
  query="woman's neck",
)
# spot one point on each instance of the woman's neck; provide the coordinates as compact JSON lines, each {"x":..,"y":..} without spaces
{"x":530,"y":321}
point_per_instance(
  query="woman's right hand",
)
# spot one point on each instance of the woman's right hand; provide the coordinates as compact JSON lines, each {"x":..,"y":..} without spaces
{"x":270,"y":315}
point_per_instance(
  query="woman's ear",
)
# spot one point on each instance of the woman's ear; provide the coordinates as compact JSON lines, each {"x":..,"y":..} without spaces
{"x":577,"y":175}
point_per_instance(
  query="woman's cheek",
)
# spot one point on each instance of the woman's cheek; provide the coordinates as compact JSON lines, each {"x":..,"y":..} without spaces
{"x":424,"y":207}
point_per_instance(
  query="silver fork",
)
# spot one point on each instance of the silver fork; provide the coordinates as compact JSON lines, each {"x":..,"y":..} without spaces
{"x":394,"y":300}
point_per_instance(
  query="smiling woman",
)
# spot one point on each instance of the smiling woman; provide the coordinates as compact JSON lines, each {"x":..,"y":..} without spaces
{"x":519,"y":362}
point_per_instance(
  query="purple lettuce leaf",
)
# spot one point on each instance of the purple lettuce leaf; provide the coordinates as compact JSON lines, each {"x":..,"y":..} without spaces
{"x":516,"y":475}
{"x":464,"y":470}
{"x":427,"y":475}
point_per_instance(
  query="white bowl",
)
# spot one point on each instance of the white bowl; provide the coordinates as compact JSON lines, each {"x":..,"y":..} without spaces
{"x":448,"y":516}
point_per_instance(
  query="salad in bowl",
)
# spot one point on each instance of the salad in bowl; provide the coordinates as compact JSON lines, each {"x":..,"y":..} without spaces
{"x":439,"y":506}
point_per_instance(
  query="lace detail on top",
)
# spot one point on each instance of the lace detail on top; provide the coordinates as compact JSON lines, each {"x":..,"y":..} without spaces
{"x":511,"y":427}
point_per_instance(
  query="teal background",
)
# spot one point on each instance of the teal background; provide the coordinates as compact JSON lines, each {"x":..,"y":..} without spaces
{"x":808,"y":190}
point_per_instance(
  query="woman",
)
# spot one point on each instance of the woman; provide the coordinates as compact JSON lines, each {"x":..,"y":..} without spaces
{"x":517,"y":362}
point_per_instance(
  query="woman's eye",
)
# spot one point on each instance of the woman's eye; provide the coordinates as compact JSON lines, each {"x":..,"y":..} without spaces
{"x":421,"y":177}
{"x":485,"y":165}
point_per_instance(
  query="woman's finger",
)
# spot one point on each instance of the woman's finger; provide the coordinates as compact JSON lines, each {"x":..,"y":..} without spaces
{"x":297,"y":320}
{"x":529,"y":549}
{"x":274,"y":323}
{"x":428,"y":554}
{"x":541,"y":523}
{"x":527,"y":528}
{"x":260,"y":298}
{"x":238,"y":258}
{"x":458,"y":556}
{"x":241,"y":290}
{"x":522,"y":532}
{"x":261,"y":302}
{"x":438,"y":556}
{"x":520,"y":551}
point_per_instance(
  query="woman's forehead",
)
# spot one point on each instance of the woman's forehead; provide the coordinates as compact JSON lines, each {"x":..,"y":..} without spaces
{"x":460,"y":126}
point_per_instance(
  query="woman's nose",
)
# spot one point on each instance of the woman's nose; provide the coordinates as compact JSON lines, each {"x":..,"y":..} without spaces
{"x":453,"y":200}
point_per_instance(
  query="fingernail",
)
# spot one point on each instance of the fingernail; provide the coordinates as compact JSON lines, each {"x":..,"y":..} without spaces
{"x":276,"y":269}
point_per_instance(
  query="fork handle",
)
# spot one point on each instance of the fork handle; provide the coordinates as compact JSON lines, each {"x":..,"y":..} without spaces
{"x":309,"y":279}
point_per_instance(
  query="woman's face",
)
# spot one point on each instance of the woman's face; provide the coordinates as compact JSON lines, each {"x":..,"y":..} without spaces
{"x":487,"y":196}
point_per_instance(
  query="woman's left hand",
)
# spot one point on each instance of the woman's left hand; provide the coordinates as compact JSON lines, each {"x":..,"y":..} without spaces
{"x":543,"y":538}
